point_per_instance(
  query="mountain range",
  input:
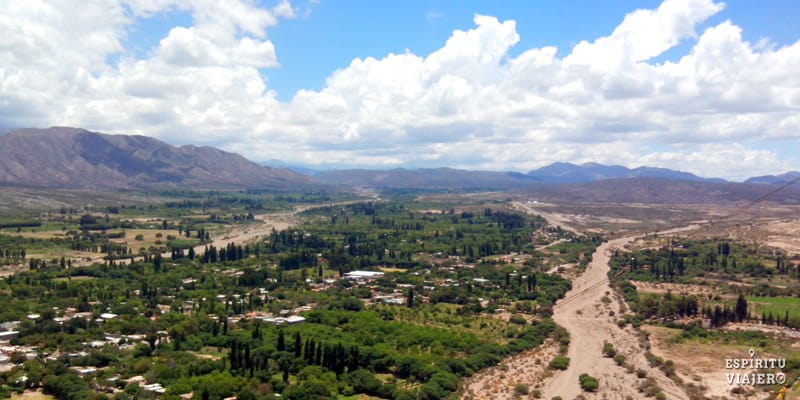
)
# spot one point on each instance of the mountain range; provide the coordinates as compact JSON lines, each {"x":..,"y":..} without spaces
{"x":76,"y":158}
{"x":448,"y":178}
{"x":664,"y":191}
{"x":427,"y":178}
{"x":781,"y":179}
{"x":63,"y":157}
{"x":562,"y":172}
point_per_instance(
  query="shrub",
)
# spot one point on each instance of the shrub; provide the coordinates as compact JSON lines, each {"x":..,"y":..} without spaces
{"x":608,"y":350}
{"x":649,"y":387}
{"x":653,"y":359}
{"x":588,"y":383}
{"x":559,"y":362}
{"x":668,"y":368}
{"x":521,"y":389}
{"x":619,"y":359}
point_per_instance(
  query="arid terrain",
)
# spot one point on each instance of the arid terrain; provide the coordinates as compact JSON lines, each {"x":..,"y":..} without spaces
{"x":587,"y":317}
{"x":590,"y":310}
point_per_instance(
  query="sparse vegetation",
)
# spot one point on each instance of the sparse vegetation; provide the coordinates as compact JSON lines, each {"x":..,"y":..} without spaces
{"x":521,"y":389}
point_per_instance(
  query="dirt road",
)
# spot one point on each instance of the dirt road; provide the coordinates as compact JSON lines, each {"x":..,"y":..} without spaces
{"x":552,"y":219}
{"x":585,"y":313}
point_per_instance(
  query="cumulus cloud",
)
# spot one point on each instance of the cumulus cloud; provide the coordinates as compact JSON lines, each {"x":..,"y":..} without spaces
{"x":469,"y":104}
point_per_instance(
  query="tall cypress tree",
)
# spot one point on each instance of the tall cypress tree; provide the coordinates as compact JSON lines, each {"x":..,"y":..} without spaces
{"x":298,"y":345}
{"x":281,"y":345}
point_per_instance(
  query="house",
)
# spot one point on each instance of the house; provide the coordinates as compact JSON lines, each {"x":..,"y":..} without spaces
{"x":355,"y":275}
{"x":10,"y":325}
{"x":294,"y":319}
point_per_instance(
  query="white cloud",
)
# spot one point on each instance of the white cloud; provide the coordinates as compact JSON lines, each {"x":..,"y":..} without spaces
{"x":729,"y":160}
{"x":644,"y":34}
{"x":469,"y":104}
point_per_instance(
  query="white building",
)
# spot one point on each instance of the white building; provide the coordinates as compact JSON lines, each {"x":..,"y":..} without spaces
{"x":363,"y":275}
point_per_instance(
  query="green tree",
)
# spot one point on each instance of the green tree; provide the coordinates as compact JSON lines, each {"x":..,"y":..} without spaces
{"x":741,"y":308}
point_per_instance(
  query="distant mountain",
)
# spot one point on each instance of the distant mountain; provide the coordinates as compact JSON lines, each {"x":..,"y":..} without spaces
{"x":663,"y":191}
{"x":781,"y":179}
{"x":591,"y":172}
{"x":274,"y":163}
{"x":427,"y":178}
{"x":77,"y":158}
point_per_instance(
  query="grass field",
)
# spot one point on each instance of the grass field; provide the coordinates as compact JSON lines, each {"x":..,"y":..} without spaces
{"x":445,"y":316}
{"x":775,"y":305}
{"x":152,"y":237}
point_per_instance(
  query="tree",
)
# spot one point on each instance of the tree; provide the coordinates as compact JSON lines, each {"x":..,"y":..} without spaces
{"x":410,"y":301}
{"x":87,"y":219}
{"x":281,"y":345}
{"x":298,"y":344}
{"x":307,"y":391}
{"x":741,"y":308}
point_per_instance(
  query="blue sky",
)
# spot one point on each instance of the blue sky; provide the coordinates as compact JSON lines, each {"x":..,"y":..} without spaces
{"x":327,"y":35}
{"x":334,"y":33}
{"x":696,"y":85}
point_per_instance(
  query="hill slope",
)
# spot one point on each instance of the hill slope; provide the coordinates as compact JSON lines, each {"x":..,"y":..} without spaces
{"x":77,"y":158}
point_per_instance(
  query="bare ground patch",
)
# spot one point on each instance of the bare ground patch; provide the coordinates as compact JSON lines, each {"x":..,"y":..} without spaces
{"x":675,"y":288}
{"x":500,"y":382}
{"x":703,"y":363}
